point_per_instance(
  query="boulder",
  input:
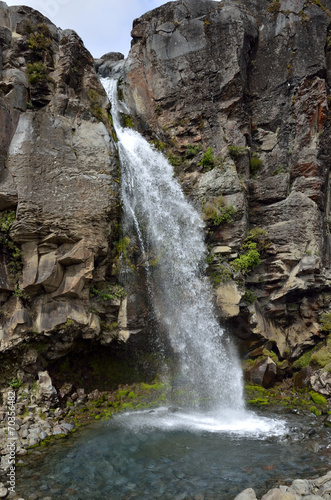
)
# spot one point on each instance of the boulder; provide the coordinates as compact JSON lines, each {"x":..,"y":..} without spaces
{"x":264,"y":372}
{"x":248,"y":494}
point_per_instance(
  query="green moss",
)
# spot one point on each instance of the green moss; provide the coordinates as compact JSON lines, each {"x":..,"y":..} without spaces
{"x":315,"y":411}
{"x":159,"y":145}
{"x":258,"y":401}
{"x":122,"y":393}
{"x":317,"y":398}
{"x":247,"y":261}
{"x":106,"y":291}
{"x":127,"y":406}
{"x":132,"y":395}
{"x":251,"y":387}
{"x":126,"y":120}
{"x":271,"y":355}
{"x":322,"y":356}
{"x":325,"y":321}
{"x":158,"y":386}
{"x":304,"y":360}
{"x":96,"y":109}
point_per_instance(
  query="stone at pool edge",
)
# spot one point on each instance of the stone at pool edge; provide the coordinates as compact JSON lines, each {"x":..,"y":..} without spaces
{"x":3,"y":491}
{"x":248,"y":494}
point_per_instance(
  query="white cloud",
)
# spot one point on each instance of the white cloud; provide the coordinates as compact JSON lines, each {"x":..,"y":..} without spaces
{"x":104,"y":25}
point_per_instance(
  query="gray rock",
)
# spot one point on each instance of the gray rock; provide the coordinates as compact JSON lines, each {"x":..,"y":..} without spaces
{"x":277,"y":494}
{"x":3,"y":491}
{"x":301,"y":486}
{"x":248,"y":494}
{"x":68,"y":427}
{"x":112,"y":56}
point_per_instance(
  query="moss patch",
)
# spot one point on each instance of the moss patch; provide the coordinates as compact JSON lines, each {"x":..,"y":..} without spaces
{"x":318,"y":398}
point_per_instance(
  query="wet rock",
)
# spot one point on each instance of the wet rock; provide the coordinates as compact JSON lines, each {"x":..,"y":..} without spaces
{"x":264,"y":372}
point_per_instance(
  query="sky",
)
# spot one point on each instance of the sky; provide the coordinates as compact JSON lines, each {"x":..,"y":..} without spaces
{"x":103,"y":25}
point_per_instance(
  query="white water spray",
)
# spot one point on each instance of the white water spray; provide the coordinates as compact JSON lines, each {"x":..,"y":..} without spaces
{"x":170,"y":232}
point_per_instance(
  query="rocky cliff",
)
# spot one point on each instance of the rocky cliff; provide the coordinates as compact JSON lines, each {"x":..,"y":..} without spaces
{"x":237,"y":96}
{"x":59,"y":196}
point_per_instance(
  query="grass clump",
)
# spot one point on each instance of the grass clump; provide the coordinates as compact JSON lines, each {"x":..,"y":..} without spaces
{"x":192,"y":150}
{"x":15,"y":383}
{"x":126,"y":120}
{"x":208,"y":161}
{"x":40,"y":40}
{"x":247,"y":261}
{"x":325,"y":321}
{"x":237,"y":151}
{"x":249,"y":297}
{"x":322,"y":356}
{"x":37,"y":72}
{"x":255,"y":164}
{"x":13,"y":252}
{"x":274,"y":7}
{"x":107,"y":291}
{"x":96,"y":109}
{"x":304,"y":360}
{"x":217,"y":213}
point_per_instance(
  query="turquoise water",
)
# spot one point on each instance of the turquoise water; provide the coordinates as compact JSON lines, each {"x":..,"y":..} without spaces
{"x":173,"y":456}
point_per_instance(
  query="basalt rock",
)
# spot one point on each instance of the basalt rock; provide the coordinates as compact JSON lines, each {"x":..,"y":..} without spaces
{"x":250,"y":83}
{"x":59,"y":198}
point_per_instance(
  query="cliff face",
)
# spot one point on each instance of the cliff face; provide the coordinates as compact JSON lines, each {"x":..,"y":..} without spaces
{"x":237,"y":95}
{"x":59,"y":173}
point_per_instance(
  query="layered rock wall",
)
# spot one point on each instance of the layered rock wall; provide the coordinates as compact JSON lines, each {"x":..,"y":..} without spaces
{"x":248,"y":84}
{"x":59,"y":195}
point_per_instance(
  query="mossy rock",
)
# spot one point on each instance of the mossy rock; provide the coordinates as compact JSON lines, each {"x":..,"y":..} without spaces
{"x":317,"y":398}
{"x":258,"y":401}
{"x":315,"y":411}
{"x":322,"y":357}
{"x":305,"y":359}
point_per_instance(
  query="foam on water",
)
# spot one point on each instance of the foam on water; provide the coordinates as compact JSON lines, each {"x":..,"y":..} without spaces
{"x":244,"y":424}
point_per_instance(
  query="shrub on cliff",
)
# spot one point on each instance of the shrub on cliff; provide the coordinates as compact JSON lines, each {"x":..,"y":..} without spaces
{"x":247,"y":261}
{"x":37,"y":72}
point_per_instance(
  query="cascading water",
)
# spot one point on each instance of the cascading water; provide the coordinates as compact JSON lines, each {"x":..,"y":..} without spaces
{"x":170,"y":233}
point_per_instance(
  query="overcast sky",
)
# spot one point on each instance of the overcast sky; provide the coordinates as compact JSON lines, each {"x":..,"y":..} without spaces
{"x":104,"y":25}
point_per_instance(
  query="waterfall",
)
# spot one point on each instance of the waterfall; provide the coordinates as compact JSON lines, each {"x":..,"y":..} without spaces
{"x":171,"y":238}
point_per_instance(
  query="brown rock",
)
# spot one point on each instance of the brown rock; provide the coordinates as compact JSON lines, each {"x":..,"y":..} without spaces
{"x":264,"y":372}
{"x":302,"y":379}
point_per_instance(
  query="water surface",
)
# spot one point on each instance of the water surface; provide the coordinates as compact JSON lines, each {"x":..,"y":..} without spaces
{"x":171,"y":456}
